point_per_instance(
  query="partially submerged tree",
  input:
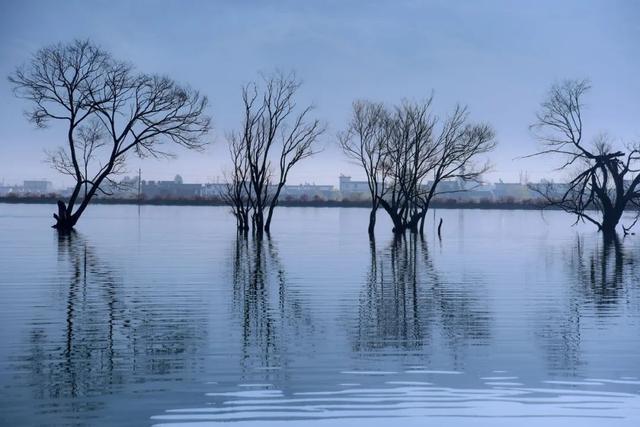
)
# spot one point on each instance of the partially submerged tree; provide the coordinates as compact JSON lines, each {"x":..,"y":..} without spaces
{"x":274,"y":132}
{"x":236,"y":193}
{"x":456,"y":147}
{"x":364,"y":142}
{"x":602,"y":182}
{"x":109,"y":111}
{"x":409,"y":157}
{"x":406,"y":158}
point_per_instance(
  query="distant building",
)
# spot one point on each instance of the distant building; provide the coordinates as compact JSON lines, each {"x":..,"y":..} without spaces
{"x":6,"y":190}
{"x":37,"y":187}
{"x":170,"y":189}
{"x":447,"y":189}
{"x":126,"y":188}
{"x":353,"y":189}
{"x":309,"y":191}
{"x":214,"y":190}
{"x":477,"y":193}
{"x":548,"y":189}
{"x":453,"y":189}
{"x":513,"y":191}
{"x":288,"y":192}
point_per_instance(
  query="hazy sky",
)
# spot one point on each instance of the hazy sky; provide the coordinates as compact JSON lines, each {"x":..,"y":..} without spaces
{"x":498,"y":57}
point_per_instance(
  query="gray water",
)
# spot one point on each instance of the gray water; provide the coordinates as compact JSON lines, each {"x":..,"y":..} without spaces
{"x":162,"y":315}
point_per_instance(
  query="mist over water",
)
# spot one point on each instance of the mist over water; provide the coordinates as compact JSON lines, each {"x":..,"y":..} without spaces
{"x":164,"y":315}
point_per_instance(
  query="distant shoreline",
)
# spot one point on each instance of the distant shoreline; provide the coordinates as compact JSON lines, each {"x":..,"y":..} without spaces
{"x":443,"y":204}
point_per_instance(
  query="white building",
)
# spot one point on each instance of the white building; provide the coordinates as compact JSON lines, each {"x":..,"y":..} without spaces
{"x":353,"y":189}
{"x":512,"y":191}
{"x":214,"y":190}
{"x":37,"y":186}
{"x":309,"y":191}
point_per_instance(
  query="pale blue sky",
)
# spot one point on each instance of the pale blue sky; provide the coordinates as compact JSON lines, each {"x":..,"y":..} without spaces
{"x":499,"y":57}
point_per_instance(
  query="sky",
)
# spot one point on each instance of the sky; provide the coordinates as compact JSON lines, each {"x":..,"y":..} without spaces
{"x":497,"y":57}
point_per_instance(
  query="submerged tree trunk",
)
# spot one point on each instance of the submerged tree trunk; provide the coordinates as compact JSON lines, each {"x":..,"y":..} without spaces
{"x":372,"y":220}
{"x":396,"y":218}
{"x":242,"y":221}
{"x":413,"y":222}
{"x":245,"y":221}
{"x":267,"y":224}
{"x":610,"y":219}
{"x":423,"y":215}
{"x":272,"y":207}
{"x":398,"y":226}
{"x":65,"y":221}
{"x":258,"y":222}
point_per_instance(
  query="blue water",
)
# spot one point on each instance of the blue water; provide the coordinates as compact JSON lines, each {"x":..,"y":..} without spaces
{"x":163,"y":315}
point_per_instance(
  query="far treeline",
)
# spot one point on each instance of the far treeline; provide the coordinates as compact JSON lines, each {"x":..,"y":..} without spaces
{"x":111,"y":112}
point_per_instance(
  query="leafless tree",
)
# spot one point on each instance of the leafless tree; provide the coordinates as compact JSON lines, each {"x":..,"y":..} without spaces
{"x":602,"y":183}
{"x":275,"y":136}
{"x":237,"y":184}
{"x":409,"y":158}
{"x":109,"y":111}
{"x":456,"y":147}
{"x":364,"y":142}
{"x":401,"y":149}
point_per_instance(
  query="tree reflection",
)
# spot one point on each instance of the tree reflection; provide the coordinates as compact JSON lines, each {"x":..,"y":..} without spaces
{"x":599,"y":273}
{"x":601,"y":270}
{"x":273,"y":317}
{"x":405,"y":304}
{"x":109,"y":336}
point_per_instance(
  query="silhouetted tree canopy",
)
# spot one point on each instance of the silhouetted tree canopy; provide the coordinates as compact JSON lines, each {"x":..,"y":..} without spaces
{"x":601,"y":183}
{"x":275,"y":136}
{"x":407,"y":151}
{"x":110,"y":111}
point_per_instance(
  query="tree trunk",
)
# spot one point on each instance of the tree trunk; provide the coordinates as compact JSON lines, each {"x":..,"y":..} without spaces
{"x":267,"y":225}
{"x":422,"y":221}
{"x":372,"y":220}
{"x":425,"y":209}
{"x":398,"y":225}
{"x":610,"y":219}
{"x":240,"y":221}
{"x":64,"y":220}
{"x":272,"y":207}
{"x":258,"y":222}
{"x":245,"y":221}
{"x":412,"y":224}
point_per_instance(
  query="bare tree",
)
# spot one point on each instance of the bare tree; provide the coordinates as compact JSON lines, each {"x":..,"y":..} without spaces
{"x":602,"y":183}
{"x":276,"y":132}
{"x":237,"y":186}
{"x":364,"y":142}
{"x":109,"y":110}
{"x":455,"y":149}
{"x":409,"y":158}
{"x":401,"y":149}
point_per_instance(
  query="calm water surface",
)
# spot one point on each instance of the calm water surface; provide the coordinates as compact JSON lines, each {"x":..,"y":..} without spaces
{"x":163,"y":316}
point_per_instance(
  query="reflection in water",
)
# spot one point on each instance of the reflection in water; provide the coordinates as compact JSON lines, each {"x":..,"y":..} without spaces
{"x":110,"y":337}
{"x":601,"y":270}
{"x":600,"y":275}
{"x":175,"y":316}
{"x":85,"y":363}
{"x":389,"y":313}
{"x":405,"y":303}
{"x":273,"y":317}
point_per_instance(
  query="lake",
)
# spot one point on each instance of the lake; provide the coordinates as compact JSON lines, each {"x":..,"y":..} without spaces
{"x":162,"y":315}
